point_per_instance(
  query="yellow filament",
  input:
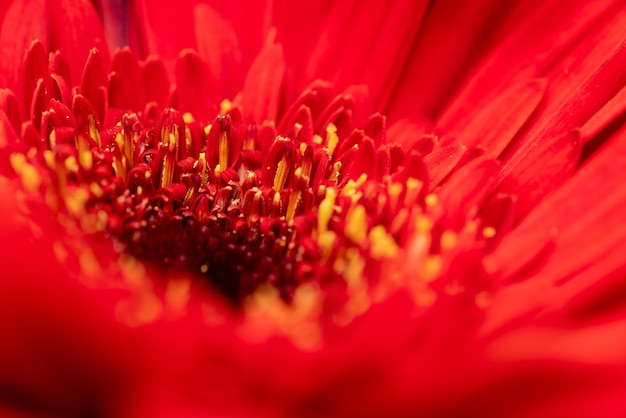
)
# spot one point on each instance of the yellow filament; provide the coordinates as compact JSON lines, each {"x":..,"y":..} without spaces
{"x":223,"y":149}
{"x":294,"y":198}
{"x":281,"y":174}
{"x":169,"y":161}
{"x":204,"y":174}
{"x":93,"y":130}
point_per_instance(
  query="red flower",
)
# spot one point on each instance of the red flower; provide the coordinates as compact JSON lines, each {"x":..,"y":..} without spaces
{"x":199,"y":225}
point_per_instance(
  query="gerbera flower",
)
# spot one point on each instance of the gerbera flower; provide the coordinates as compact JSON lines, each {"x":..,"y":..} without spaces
{"x":208,"y":214}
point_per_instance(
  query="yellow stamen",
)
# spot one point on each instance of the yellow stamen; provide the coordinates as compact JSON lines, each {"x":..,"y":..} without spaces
{"x":93,"y":130}
{"x":448,"y":239}
{"x":325,"y":211}
{"x":294,"y":198}
{"x":204,"y":174}
{"x":223,"y":149}
{"x":356,"y":224}
{"x":169,"y":161}
{"x":334,"y":176}
{"x":382,"y":244}
{"x":489,"y":232}
{"x":431,"y":200}
{"x":280,"y":178}
{"x":29,"y":174}
{"x":225,"y":106}
{"x":85,"y":157}
{"x":332,"y":139}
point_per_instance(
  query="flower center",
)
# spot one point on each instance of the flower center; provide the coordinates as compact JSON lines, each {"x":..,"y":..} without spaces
{"x":236,"y":204}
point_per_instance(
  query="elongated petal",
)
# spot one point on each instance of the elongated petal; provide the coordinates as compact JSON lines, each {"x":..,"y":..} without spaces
{"x":377,"y":31}
{"x":588,"y":77}
{"x":24,"y":22}
{"x":497,"y":124}
{"x":585,"y":219}
{"x":262,"y":88}
{"x":75,"y":30}
{"x":219,"y":47}
{"x":527,"y":52}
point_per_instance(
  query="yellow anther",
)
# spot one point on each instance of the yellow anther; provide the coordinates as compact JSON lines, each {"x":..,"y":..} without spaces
{"x":382,"y":245}
{"x":423,"y":224}
{"x":29,"y":174}
{"x":356,"y":224}
{"x":334,"y":176}
{"x":326,"y":209}
{"x":204,"y":173}
{"x":297,"y":127}
{"x":413,"y":187}
{"x":317,"y":139}
{"x":431,"y":200}
{"x":188,"y":118}
{"x":225,"y":106}
{"x":48,"y":157}
{"x":75,"y":202}
{"x":394,"y":190}
{"x":489,"y":232}
{"x":448,"y":240}
{"x":71,"y":164}
{"x":332,"y":139}
{"x":85,"y":157}
{"x":207,"y":129}
{"x":52,"y":139}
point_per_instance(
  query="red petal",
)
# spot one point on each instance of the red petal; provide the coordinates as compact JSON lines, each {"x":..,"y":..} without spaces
{"x":527,"y":52}
{"x":407,"y":133}
{"x":94,"y":83}
{"x":8,"y":134}
{"x":496,"y":124}
{"x":378,"y":32}
{"x":24,"y":22}
{"x":75,"y":30}
{"x":612,"y":110}
{"x":156,"y":82}
{"x":35,"y":67}
{"x":220,"y":49}
{"x":442,"y":161}
{"x":10,"y":107}
{"x":125,"y":83}
{"x":585,"y":218}
{"x":262,"y":89}
{"x":586,"y":79}
{"x":464,"y":192}
{"x":531,"y":181}
{"x":196,"y":93}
